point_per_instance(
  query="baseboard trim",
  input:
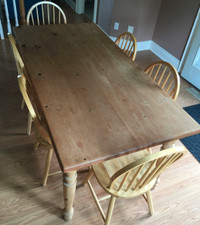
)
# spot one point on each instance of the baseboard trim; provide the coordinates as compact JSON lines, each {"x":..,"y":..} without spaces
{"x":157,"y":50}
{"x":144,"y":45}
{"x":164,"y":55}
{"x":112,"y":38}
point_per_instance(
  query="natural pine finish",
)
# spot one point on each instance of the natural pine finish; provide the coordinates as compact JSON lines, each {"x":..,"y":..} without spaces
{"x":41,"y":133}
{"x":45,"y":13}
{"x":24,"y":201}
{"x":166,"y":76}
{"x":40,"y":130}
{"x":118,"y":101}
{"x":69,"y":188}
{"x":95,"y":108}
{"x":19,"y":65}
{"x":131,"y":176}
{"x":127,"y":42}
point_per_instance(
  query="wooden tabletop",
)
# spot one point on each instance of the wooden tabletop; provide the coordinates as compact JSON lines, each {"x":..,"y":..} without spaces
{"x":97,"y":103}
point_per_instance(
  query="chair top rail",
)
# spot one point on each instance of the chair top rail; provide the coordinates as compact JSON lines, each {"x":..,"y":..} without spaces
{"x":30,"y":16}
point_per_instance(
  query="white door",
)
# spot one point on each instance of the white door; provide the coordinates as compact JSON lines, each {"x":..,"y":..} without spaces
{"x":191,"y":67}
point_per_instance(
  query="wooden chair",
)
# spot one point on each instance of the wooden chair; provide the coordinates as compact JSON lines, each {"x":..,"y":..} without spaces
{"x":166,"y":76}
{"x":130,"y":176}
{"x":45,"y":13}
{"x":19,"y":65}
{"x":127,"y":42}
{"x":42,"y":136}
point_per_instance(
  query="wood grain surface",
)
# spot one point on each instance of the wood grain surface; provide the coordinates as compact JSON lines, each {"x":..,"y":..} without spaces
{"x":24,"y":201}
{"x":97,"y":103}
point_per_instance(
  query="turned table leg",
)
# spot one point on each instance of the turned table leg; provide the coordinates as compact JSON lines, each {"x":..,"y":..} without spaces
{"x":69,"y":188}
{"x":168,"y":145}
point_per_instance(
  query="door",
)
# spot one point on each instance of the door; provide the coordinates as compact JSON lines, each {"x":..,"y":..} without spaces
{"x":191,"y":67}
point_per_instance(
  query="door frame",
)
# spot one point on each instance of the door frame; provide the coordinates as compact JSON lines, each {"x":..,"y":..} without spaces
{"x":80,"y":8}
{"x":96,"y":2}
{"x":189,"y":43}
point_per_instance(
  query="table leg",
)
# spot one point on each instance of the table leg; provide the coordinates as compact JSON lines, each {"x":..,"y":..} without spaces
{"x":69,"y":188}
{"x":168,"y":145}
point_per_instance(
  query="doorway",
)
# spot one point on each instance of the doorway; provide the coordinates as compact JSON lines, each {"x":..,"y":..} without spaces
{"x":90,"y":10}
{"x":190,"y":63}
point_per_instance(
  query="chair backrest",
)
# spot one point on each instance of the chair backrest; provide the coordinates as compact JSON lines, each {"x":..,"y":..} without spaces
{"x":166,"y":76}
{"x":140,"y":176}
{"x":17,"y":56}
{"x":45,"y":13}
{"x":22,"y":80}
{"x":127,"y":42}
{"x":32,"y":108}
{"x":22,"y":85}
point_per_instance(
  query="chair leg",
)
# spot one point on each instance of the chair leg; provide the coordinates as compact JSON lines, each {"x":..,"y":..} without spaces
{"x":29,"y":124}
{"x":110,"y":210}
{"x":90,"y":174}
{"x":47,"y":166}
{"x":156,"y":183}
{"x":96,"y":200}
{"x":150,"y":202}
{"x":36,"y":145}
{"x":22,"y":104}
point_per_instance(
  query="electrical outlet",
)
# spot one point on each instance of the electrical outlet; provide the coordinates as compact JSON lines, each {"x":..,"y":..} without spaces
{"x":116,"y":26}
{"x":130,"y":29}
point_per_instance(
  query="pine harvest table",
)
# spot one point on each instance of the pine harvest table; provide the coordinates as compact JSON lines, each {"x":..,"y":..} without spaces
{"x":96,"y":102}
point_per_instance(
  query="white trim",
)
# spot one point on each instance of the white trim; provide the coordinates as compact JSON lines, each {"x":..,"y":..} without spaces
{"x":188,"y":42}
{"x":157,"y":50}
{"x":164,"y":55}
{"x":7,"y":16}
{"x":80,"y":6}
{"x":141,"y":46}
{"x":111,"y":37}
{"x":144,"y":45}
{"x":15,"y":13}
{"x":95,"y":11}
{"x":1,"y":30}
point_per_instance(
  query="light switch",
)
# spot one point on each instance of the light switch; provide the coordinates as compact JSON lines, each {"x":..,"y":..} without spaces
{"x":130,"y":29}
{"x":116,"y":26}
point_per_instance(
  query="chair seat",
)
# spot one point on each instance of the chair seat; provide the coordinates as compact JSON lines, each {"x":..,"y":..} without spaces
{"x":104,"y":171}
